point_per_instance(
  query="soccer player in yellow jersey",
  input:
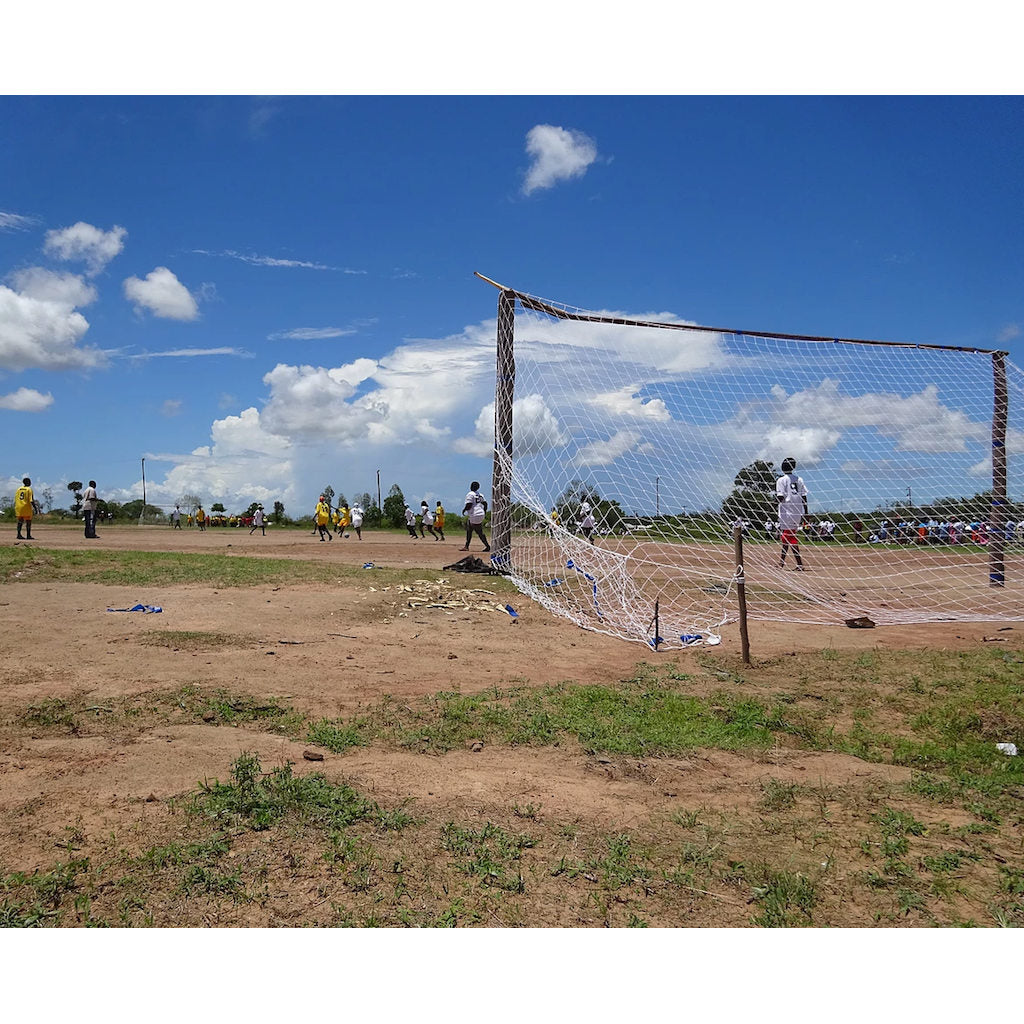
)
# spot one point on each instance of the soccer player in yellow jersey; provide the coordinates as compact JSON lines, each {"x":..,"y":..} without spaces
{"x":336,"y":520}
{"x":439,"y":519}
{"x":24,"y":505}
{"x":323,"y":519}
{"x":201,"y":518}
{"x":344,"y":519}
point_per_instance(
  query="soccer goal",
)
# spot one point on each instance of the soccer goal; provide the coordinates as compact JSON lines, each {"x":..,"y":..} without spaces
{"x":627,"y":451}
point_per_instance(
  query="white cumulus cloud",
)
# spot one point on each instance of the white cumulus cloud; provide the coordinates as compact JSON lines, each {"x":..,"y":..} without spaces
{"x":26,"y":400}
{"x":558,"y":154}
{"x":42,"y":334}
{"x":626,"y":402}
{"x":86,"y":242}
{"x":162,"y":294}
{"x":601,"y":453}
{"x":535,"y":429}
{"x":64,"y":289}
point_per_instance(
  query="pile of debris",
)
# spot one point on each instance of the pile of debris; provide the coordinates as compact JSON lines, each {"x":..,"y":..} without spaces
{"x":437,"y":594}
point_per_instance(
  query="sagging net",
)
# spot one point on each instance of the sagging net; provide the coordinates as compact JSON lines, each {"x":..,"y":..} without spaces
{"x":668,"y":437}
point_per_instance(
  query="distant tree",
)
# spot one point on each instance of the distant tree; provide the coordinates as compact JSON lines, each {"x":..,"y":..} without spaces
{"x":522,"y":515}
{"x":75,"y":486}
{"x":218,"y":506}
{"x":278,"y":512}
{"x":753,"y":494}
{"x":190,"y":502}
{"x":609,"y":516}
{"x":134,"y":509}
{"x":6,"y":504}
{"x":328,"y":493}
{"x":394,"y":507}
{"x":114,"y":508}
{"x":340,"y":499}
{"x":46,"y":498}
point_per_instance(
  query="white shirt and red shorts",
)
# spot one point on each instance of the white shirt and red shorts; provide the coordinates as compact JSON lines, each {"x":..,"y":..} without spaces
{"x":791,"y":489}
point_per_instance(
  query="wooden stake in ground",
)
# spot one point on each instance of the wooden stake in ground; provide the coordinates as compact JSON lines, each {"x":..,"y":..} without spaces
{"x":741,"y":593}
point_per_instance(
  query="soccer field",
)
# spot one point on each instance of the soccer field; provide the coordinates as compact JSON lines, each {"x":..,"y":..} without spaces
{"x":295,"y":740}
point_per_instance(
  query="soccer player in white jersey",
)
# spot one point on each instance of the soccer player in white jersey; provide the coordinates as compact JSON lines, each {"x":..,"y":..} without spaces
{"x":792,"y":497}
{"x":475,"y":509}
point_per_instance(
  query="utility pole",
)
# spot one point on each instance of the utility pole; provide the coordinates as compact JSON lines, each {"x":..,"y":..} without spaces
{"x":142,"y":513}
{"x":657,"y":495}
{"x":910,"y":497}
{"x":379,"y":506}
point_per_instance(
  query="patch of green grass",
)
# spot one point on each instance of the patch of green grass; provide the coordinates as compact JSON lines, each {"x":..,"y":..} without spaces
{"x":53,"y":711}
{"x":778,"y":795}
{"x":192,"y":639}
{"x":487,"y":853}
{"x":949,"y":860}
{"x":158,"y":568}
{"x":209,"y":881}
{"x":785,"y":898}
{"x":258,"y":801}
{"x":632,"y":719}
{"x":205,"y":852}
{"x":33,"y":899}
{"x":335,"y":736}
{"x":456,"y":913}
{"x":219,"y":707}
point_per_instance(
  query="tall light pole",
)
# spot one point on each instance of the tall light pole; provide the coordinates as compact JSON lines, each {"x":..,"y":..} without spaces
{"x":910,"y":497}
{"x":142,"y":513}
{"x":657,"y":495}
{"x":379,"y":507}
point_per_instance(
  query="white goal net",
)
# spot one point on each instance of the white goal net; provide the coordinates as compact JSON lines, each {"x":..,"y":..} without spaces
{"x":637,"y":446}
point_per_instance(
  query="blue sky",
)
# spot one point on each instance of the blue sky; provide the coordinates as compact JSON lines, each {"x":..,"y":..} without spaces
{"x":262,"y":295}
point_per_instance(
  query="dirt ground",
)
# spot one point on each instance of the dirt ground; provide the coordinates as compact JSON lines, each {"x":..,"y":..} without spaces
{"x":329,"y":650}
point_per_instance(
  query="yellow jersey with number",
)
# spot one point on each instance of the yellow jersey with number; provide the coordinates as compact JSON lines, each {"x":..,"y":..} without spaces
{"x":23,"y":503}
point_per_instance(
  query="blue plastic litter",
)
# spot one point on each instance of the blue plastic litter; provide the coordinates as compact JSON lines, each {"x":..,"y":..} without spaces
{"x":554,"y":583}
{"x":512,"y":611}
{"x":691,"y":638}
{"x":146,"y":609}
{"x":368,"y":565}
{"x":657,"y":640}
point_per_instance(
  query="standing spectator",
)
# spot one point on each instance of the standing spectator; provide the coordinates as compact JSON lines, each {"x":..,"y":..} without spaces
{"x":24,"y":506}
{"x":439,"y":518}
{"x":357,"y":520}
{"x":201,"y":519}
{"x":89,"y":500}
{"x":792,"y":497}
{"x":475,"y":509}
{"x":176,"y":518}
